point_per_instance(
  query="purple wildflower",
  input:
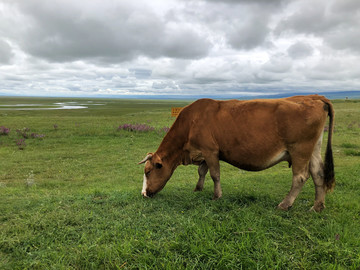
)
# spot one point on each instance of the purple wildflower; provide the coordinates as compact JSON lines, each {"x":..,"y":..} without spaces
{"x":136,"y":127}
{"x":4,"y":130}
{"x":22,"y":132}
{"x":39,"y":136}
{"x":21,"y":144}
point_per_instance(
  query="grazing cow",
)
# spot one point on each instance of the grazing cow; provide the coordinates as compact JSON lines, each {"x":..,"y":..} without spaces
{"x":251,"y":135}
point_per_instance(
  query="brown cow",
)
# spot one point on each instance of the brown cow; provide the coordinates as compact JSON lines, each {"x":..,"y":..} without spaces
{"x":251,"y":135}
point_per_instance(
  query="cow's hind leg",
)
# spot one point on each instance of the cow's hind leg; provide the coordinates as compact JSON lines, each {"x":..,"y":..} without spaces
{"x":202,"y":170}
{"x":214,"y":168}
{"x":300,"y":175}
{"x":317,"y":174}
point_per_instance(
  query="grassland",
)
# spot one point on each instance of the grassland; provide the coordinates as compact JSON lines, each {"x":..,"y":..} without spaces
{"x":71,"y":200}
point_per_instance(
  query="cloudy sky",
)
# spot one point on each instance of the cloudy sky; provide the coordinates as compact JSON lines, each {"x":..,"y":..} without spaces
{"x":174,"y":47}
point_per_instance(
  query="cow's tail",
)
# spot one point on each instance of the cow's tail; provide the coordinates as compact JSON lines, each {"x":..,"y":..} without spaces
{"x":329,"y":174}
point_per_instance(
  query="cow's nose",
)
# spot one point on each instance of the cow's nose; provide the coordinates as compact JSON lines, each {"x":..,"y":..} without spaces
{"x":149,"y":194}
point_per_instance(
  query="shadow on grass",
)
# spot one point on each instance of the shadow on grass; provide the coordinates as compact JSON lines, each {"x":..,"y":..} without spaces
{"x":203,"y":200}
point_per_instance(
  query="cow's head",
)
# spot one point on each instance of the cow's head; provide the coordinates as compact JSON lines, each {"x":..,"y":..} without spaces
{"x":156,"y":175}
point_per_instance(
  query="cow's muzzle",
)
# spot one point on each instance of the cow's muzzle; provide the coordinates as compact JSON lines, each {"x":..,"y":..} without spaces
{"x":147,"y":194}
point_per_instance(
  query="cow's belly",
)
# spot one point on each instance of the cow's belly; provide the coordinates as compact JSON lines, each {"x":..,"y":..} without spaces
{"x":255,"y":162}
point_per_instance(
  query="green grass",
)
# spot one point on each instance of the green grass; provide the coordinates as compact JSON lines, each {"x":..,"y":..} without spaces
{"x":72,"y":200}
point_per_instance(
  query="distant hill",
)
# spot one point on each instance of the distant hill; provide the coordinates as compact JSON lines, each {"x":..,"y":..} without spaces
{"x":330,"y":95}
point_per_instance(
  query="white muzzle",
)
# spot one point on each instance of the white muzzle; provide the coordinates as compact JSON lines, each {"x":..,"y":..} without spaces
{"x":143,"y":192}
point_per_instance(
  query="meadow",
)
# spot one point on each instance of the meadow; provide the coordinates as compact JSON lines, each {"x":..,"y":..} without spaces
{"x":70,"y":196}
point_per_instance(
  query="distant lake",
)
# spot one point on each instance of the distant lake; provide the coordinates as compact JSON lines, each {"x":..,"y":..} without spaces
{"x":72,"y":105}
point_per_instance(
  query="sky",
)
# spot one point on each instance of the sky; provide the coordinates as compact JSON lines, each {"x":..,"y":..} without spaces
{"x":178,"y":47}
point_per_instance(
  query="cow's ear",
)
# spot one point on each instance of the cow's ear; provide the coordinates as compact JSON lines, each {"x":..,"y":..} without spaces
{"x":156,"y":160}
{"x":158,"y":165}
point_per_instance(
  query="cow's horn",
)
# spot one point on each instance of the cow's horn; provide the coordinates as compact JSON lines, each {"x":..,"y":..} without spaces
{"x":149,"y":156}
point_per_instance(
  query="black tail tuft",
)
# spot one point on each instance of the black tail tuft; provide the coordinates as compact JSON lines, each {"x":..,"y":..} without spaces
{"x":329,"y":173}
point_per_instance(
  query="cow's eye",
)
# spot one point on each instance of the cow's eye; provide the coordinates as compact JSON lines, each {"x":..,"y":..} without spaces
{"x":147,"y":173}
{"x":158,"y":165}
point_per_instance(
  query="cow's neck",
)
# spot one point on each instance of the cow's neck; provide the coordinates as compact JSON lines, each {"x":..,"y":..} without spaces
{"x":171,"y":149}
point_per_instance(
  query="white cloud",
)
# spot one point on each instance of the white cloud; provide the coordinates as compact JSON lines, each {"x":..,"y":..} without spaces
{"x":175,"y":46}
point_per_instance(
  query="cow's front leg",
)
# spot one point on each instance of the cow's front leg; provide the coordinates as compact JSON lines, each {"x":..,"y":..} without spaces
{"x":202,"y":170}
{"x":214,"y":168}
